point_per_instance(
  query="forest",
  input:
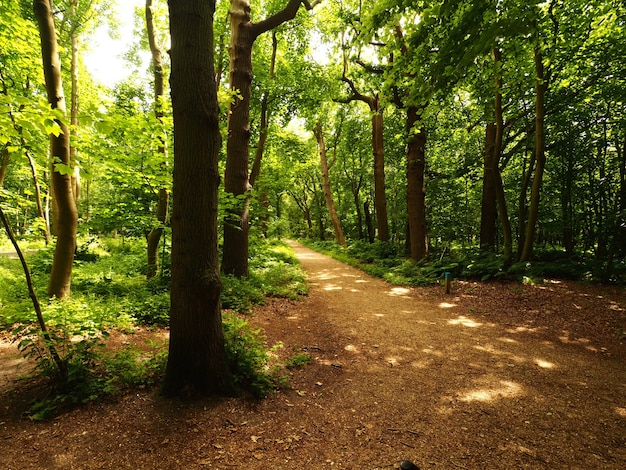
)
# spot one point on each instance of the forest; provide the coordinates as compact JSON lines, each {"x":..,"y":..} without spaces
{"x":483,"y":139}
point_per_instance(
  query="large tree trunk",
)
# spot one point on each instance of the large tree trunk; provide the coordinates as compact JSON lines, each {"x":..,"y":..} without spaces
{"x":540,"y":156}
{"x":334,"y":218}
{"x":67,"y":216}
{"x":197,"y":363}
{"x":154,"y":236}
{"x":236,"y":183}
{"x":416,"y":191}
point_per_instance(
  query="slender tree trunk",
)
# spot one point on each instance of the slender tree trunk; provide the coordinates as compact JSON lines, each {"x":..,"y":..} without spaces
{"x":380,"y":198}
{"x":197,"y":363}
{"x":40,"y":207}
{"x":368,"y":222}
{"x":540,"y":156}
{"x":416,"y":190}
{"x":503,"y":214}
{"x":265,"y":118}
{"x":4,"y":164}
{"x":334,"y":218}
{"x":67,"y":219}
{"x":154,"y":236}
{"x":74,"y":110}
{"x":489,"y":210}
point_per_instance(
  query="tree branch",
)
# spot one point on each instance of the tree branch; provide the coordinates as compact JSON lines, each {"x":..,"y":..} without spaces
{"x":280,"y":17}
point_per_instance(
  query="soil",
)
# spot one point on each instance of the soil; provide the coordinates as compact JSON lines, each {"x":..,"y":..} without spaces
{"x":490,"y":376}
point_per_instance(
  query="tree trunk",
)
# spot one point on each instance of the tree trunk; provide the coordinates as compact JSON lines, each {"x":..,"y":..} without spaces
{"x":368,"y":222}
{"x":334,"y":218}
{"x":67,"y":216}
{"x":40,"y":207}
{"x":154,"y":236}
{"x":503,"y":214}
{"x":4,"y":164}
{"x":489,"y":211}
{"x":380,"y":198}
{"x":236,"y":182}
{"x":197,"y":363}
{"x":74,"y":109}
{"x":416,"y":192}
{"x":540,"y":156}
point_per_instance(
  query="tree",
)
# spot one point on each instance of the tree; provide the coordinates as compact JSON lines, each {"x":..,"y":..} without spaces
{"x":326,"y":166}
{"x":244,"y":32}
{"x":154,"y":236}
{"x":197,"y":363}
{"x":67,"y":220}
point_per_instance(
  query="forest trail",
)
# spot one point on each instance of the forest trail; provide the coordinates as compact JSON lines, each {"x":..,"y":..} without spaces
{"x":492,"y":376}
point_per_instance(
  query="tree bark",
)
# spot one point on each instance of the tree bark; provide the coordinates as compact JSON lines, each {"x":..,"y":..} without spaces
{"x":540,"y":156}
{"x":236,"y":183}
{"x":334,"y":218}
{"x":380,"y":198}
{"x":67,"y":216}
{"x":197,"y":363}
{"x":4,"y":164}
{"x":416,"y":191}
{"x":489,"y":211}
{"x":163,"y":197}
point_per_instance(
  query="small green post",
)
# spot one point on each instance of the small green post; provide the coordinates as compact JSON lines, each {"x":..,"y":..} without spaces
{"x":448,"y":278}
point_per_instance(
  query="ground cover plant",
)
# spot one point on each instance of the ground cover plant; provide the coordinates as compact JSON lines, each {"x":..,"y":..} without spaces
{"x":390,"y":262}
{"x":110,"y":294}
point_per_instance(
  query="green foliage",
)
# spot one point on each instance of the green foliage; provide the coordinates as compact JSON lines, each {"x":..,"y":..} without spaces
{"x":247,"y":353}
{"x":274,"y":272}
{"x":298,"y":361}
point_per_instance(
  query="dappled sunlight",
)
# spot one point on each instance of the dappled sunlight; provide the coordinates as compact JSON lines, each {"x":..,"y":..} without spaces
{"x":464,"y":321}
{"x":544,"y":364}
{"x":584,"y":342}
{"x":523,"y":329}
{"x":399,"y":292}
{"x":392,"y":361}
{"x":351,"y":348}
{"x":497,"y":352}
{"x":507,"y":340}
{"x":446,"y":305}
{"x":432,"y":351}
{"x":621,"y":412}
{"x":507,"y":389}
{"x":332,"y":287}
{"x":379,"y":315}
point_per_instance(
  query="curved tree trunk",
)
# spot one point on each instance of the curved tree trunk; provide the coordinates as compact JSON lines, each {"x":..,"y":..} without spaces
{"x":236,"y":182}
{"x":154,"y":236}
{"x":197,"y":363}
{"x":334,"y":218}
{"x":67,"y":216}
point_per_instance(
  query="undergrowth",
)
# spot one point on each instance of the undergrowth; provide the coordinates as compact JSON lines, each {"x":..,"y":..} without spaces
{"x":387,"y":261}
{"x":110,"y":292}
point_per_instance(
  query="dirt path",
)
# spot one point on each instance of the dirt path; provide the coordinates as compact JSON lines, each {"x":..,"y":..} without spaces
{"x":444,"y":380}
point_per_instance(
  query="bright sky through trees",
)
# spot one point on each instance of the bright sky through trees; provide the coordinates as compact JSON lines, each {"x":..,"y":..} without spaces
{"x":104,"y":59}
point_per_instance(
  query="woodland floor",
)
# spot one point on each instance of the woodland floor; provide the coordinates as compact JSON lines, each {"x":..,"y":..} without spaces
{"x":491,"y":376}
